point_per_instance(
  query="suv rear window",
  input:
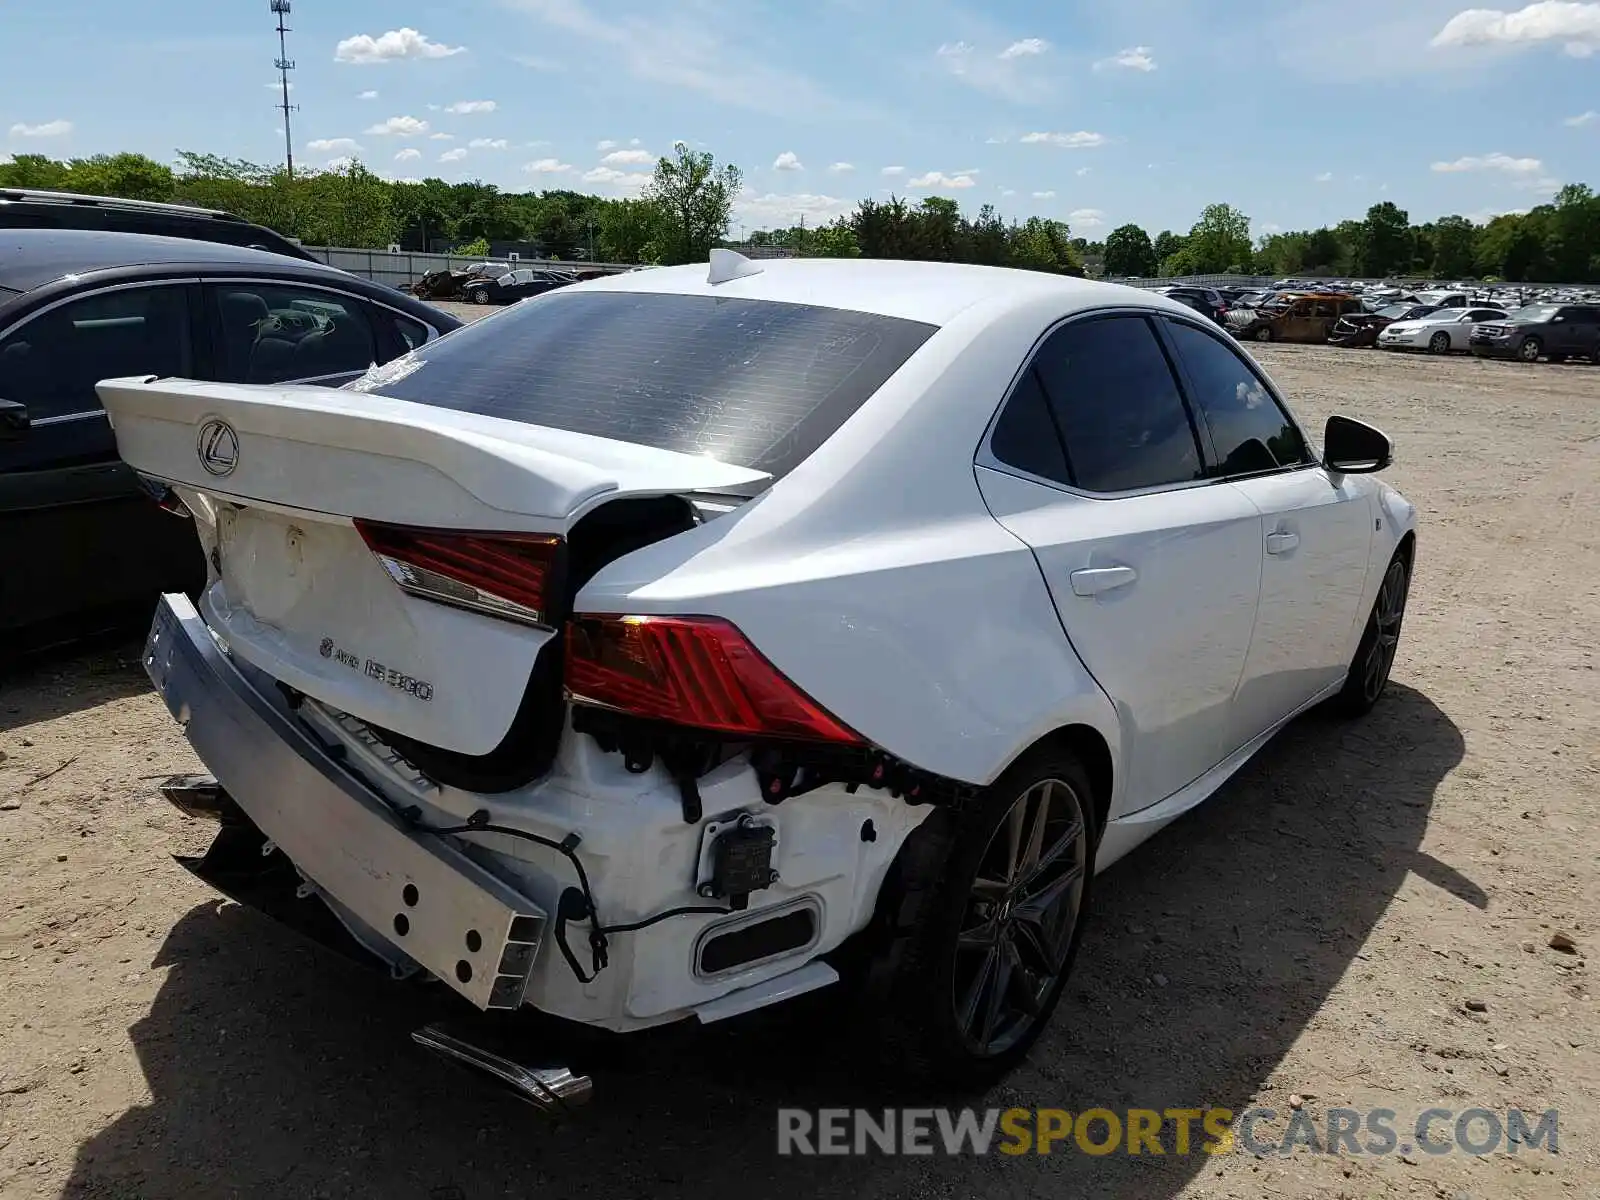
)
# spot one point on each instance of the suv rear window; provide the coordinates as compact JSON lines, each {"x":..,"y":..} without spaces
{"x":752,"y":383}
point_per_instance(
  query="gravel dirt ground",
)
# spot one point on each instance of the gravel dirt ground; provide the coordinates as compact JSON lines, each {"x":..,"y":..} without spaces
{"x":1362,"y":918}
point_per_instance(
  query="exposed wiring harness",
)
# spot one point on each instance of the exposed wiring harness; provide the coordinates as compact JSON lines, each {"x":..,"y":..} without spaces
{"x":575,"y":904}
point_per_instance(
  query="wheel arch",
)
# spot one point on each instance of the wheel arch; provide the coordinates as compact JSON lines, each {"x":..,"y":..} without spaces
{"x":1092,"y":749}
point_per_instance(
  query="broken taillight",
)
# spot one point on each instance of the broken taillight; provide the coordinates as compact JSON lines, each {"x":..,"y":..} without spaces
{"x":507,"y":575}
{"x":700,"y":672}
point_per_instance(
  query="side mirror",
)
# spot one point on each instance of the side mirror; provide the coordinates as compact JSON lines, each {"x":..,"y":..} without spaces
{"x":1353,"y":447}
{"x":14,"y":421}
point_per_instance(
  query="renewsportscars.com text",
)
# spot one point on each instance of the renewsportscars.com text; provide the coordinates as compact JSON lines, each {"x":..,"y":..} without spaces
{"x":1176,"y":1131}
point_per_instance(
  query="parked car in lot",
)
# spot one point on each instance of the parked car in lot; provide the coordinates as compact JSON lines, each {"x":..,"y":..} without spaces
{"x":1556,"y":331}
{"x":76,"y":307}
{"x":625,"y":687}
{"x":1292,"y":317}
{"x":1438,"y":332}
{"x":513,"y":286}
{"x":1361,"y":328}
{"x":29,"y":208}
{"x":1205,"y":300}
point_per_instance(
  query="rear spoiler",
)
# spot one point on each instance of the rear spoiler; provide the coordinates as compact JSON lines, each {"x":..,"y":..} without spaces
{"x":346,"y":453}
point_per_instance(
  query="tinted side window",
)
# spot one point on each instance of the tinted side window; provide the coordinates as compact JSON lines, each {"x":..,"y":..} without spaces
{"x":271,"y":333}
{"x":52,"y":363}
{"x":1118,"y":406}
{"x":411,"y":333}
{"x":1025,"y":435}
{"x":1249,"y":429}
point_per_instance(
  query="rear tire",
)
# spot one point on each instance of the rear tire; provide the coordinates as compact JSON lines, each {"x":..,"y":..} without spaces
{"x":1264,"y":334}
{"x":980,"y":922}
{"x":1368,"y":676}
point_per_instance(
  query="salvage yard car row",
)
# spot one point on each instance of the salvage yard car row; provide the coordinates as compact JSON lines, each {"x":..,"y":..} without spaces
{"x":1511,"y":325}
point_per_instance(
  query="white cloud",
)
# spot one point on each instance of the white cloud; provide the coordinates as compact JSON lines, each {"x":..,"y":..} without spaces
{"x":48,"y":130}
{"x":1082,"y":171}
{"x":1081,"y":140}
{"x":1492,"y":162}
{"x":412,"y":179}
{"x":441,"y":137}
{"x":5,"y":159}
{"x":840,"y":168}
{"x":455,"y":155}
{"x":622,"y":158}
{"x":1324,"y":177}
{"x":1044,"y":195}
{"x":340,"y":164}
{"x":547,"y":166}
{"x":787,"y":161}
{"x":1008,"y":191}
{"x":606,"y":144}
{"x":778,"y":210}
{"x":1582,"y":119}
{"x":489,"y":143}
{"x":369,"y":94}
{"x":471,"y":106}
{"x":1086,"y":218}
{"x":938,"y":179}
{"x":1025,"y":48}
{"x":397,"y":44}
{"x":1014,"y":74}
{"x":894,"y":171}
{"x":1134,"y":58}
{"x":334,"y":145}
{"x":276,"y":86}
{"x":1575,"y":25}
{"x":409,"y":154}
{"x":611,"y":177}
{"x":400,"y":127}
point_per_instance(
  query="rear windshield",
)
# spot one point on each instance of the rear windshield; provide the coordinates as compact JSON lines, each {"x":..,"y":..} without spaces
{"x":752,"y":383}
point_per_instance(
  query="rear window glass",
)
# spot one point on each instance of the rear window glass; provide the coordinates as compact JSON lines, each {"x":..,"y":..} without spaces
{"x":752,"y":383}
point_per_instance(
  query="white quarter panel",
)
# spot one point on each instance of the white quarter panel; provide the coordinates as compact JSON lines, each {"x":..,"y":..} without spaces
{"x":1168,"y":647}
{"x":1317,"y":532}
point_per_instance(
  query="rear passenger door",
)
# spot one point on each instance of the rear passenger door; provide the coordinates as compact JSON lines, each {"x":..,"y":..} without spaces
{"x":1096,"y":464}
{"x":78,"y":530}
{"x":1579,"y":330}
{"x":1315,"y":532}
{"x":289,"y":333}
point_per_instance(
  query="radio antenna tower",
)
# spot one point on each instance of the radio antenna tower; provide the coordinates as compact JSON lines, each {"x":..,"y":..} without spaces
{"x":285,"y":64}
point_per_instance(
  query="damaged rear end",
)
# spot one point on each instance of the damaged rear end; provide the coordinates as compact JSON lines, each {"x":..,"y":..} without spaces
{"x":395,"y":680}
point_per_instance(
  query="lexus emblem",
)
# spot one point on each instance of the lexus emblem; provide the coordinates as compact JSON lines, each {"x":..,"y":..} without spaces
{"x":218,"y":446}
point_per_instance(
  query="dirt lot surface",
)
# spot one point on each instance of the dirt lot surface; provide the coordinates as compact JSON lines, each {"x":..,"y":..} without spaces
{"x":1363,"y":918}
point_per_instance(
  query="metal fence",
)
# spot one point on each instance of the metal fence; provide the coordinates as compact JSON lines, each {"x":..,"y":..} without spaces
{"x":405,"y":267}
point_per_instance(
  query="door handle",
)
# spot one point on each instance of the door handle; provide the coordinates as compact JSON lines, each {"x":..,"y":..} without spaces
{"x":1282,"y":542}
{"x":1091,"y":581}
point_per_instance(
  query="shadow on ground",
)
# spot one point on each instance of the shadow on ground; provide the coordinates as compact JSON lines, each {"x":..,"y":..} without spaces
{"x":278,"y":1070}
{"x":56,"y":682}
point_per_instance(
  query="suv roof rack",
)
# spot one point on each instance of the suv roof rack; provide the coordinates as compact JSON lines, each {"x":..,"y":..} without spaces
{"x":87,"y":201}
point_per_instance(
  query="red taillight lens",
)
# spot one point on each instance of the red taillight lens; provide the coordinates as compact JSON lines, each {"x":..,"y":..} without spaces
{"x":695,"y":671}
{"x":508,"y":575}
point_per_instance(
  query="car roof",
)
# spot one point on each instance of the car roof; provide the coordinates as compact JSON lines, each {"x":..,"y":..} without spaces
{"x":30,"y":258}
{"x":931,"y":292}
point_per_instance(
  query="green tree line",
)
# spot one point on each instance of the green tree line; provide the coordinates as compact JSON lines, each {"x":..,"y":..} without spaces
{"x":687,"y":206}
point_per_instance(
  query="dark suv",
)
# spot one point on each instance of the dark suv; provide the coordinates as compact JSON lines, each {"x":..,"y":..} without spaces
{"x":1554,"y":331}
{"x":26,"y":208}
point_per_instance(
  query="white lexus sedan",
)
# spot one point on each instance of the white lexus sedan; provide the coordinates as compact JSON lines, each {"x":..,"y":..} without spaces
{"x":1439,"y":332}
{"x":676,"y":643}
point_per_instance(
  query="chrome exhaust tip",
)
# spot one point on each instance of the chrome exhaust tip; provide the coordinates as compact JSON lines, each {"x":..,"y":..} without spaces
{"x":552,"y":1090}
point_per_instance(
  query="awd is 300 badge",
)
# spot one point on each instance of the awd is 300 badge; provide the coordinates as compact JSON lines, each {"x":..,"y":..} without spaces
{"x":373,"y":669}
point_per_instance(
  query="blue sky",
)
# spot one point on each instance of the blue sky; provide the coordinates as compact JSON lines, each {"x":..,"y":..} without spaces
{"x":1095,"y":112}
